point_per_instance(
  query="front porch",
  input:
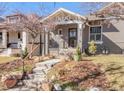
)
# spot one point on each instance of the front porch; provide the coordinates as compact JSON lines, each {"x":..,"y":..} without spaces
{"x":10,"y":42}
{"x":66,"y":37}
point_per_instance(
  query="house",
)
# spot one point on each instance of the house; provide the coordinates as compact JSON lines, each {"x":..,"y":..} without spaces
{"x":13,"y":41}
{"x":72,"y":30}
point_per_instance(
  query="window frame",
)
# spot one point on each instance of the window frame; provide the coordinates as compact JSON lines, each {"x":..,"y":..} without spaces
{"x":97,"y":42}
{"x":58,"y":31}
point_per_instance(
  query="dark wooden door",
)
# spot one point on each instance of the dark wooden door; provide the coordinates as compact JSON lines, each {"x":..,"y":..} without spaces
{"x":72,"y":37}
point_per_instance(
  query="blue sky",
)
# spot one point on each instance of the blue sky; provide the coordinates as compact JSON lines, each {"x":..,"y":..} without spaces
{"x":32,"y":7}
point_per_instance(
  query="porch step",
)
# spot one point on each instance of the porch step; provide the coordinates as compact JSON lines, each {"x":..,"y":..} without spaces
{"x":9,"y":51}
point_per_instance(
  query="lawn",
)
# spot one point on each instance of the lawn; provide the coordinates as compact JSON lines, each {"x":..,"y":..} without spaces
{"x":113,"y":65}
{"x":4,"y":59}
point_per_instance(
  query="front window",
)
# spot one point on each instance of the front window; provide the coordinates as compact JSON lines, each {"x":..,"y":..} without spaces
{"x":13,"y":19}
{"x":0,"y":37}
{"x":95,"y":33}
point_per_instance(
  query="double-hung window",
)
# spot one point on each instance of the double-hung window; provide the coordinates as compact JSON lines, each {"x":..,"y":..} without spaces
{"x":96,"y":33}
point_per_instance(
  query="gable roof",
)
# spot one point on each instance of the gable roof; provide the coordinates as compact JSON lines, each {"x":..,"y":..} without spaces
{"x":62,"y":10}
{"x":106,"y":6}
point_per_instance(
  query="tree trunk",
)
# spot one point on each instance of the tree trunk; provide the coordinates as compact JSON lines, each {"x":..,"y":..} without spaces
{"x":32,"y":46}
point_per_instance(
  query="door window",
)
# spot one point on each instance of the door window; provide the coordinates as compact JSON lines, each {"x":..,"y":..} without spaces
{"x":72,"y":37}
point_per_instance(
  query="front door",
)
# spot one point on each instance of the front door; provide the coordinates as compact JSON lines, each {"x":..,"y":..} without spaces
{"x":72,"y":37}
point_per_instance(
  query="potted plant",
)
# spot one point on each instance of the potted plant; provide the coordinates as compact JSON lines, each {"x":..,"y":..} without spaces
{"x":77,"y":55}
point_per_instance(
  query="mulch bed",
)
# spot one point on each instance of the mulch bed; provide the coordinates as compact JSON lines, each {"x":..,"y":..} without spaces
{"x":14,"y":64}
{"x":85,"y":74}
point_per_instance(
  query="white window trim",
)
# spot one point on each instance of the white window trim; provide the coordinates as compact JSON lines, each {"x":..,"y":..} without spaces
{"x":61,"y":32}
{"x":97,"y":42}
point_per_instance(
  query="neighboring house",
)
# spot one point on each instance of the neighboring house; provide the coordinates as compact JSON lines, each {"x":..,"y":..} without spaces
{"x":12,"y":41}
{"x":71,"y":30}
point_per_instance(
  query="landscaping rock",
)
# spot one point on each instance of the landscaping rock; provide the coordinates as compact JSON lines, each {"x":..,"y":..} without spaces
{"x":46,"y":86}
{"x":46,"y":58}
{"x":94,"y":89}
{"x":10,"y":82}
{"x":57,"y":87}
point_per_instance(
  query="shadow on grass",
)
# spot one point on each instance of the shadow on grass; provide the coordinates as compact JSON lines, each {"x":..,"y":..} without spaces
{"x":114,"y":67}
{"x":72,"y":85}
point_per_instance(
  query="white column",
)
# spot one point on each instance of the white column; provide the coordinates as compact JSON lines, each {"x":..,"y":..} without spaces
{"x":24,"y":40}
{"x":80,"y":36}
{"x":4,"y":36}
{"x":43,"y":43}
{"x":46,"y":43}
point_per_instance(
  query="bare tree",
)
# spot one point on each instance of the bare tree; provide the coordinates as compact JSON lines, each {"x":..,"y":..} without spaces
{"x":31,"y":24}
{"x":105,"y":11}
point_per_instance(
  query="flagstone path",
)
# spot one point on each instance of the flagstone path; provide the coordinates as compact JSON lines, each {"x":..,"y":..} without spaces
{"x":38,"y":76}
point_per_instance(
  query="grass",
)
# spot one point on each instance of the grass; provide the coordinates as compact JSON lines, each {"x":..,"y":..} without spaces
{"x":113,"y":65}
{"x":5,"y":59}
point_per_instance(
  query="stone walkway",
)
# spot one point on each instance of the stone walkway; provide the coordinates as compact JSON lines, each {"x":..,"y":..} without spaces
{"x":38,"y":76}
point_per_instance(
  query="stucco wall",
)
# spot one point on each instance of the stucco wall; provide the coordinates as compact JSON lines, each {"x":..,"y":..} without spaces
{"x":113,"y":36}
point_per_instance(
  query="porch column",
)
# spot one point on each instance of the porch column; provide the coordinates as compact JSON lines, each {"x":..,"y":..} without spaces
{"x":24,"y":39}
{"x":4,"y":36}
{"x":43,"y":43}
{"x":80,"y":36}
{"x":46,"y":43}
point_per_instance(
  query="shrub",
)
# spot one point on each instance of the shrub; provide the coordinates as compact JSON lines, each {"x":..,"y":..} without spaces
{"x":78,"y":51}
{"x":92,"y":48}
{"x":24,"y":53}
{"x":77,"y":56}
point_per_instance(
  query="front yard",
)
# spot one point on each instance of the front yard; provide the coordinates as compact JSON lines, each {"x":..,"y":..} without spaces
{"x":13,"y":66}
{"x":113,"y":65}
{"x":106,"y":71}
{"x":5,"y":59}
